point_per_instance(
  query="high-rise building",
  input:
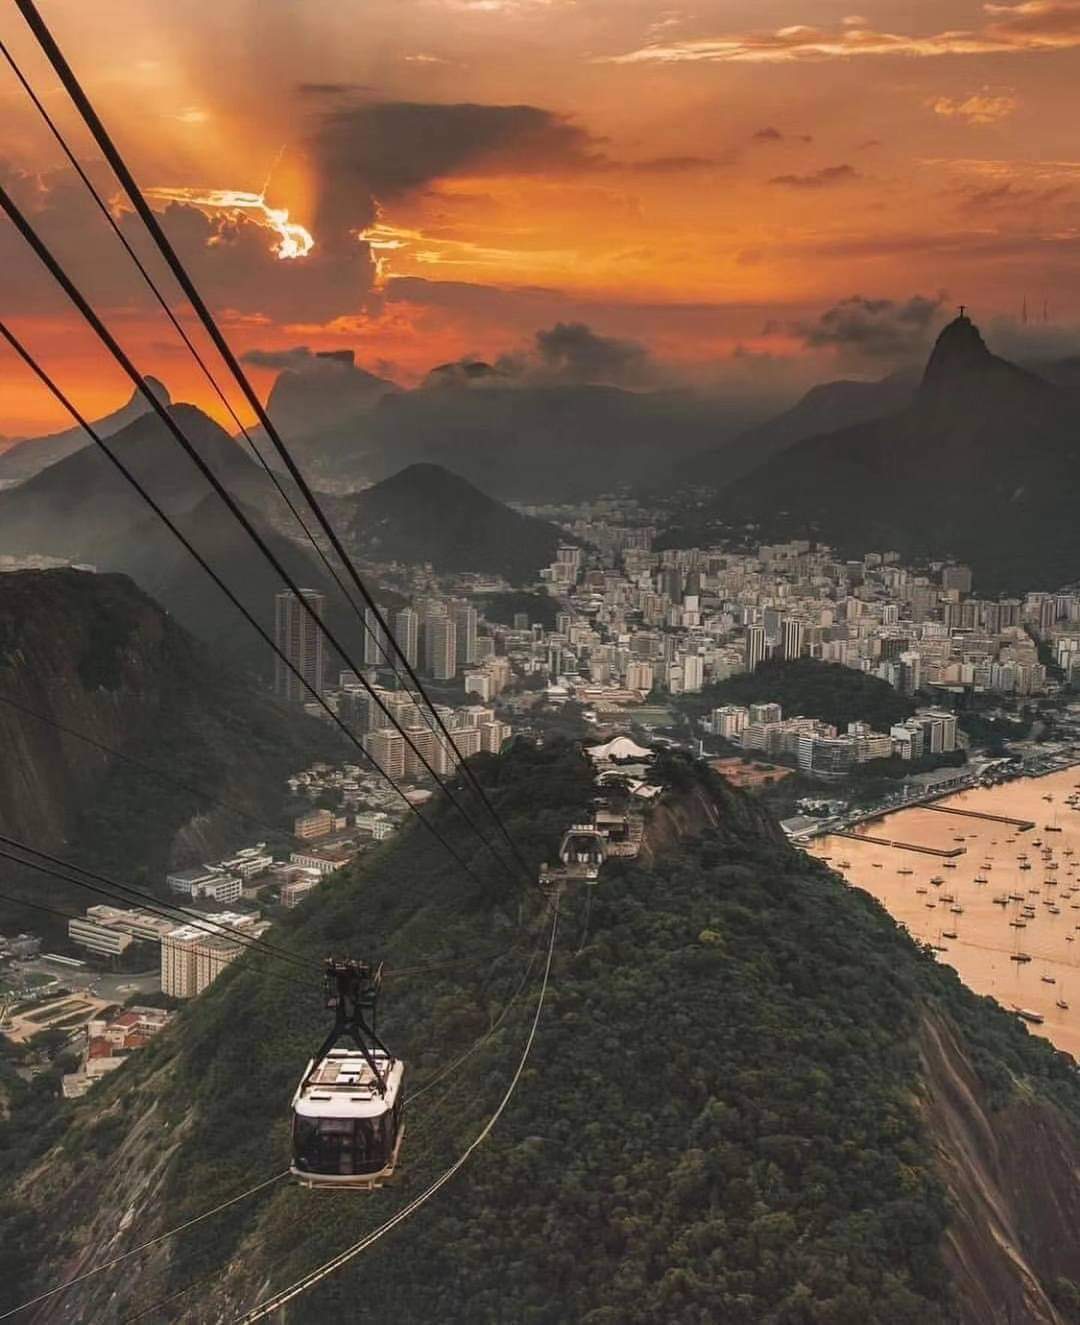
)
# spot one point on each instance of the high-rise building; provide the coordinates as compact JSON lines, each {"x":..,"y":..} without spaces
{"x":755,"y":647}
{"x":376,"y":649}
{"x":387,"y":748}
{"x":729,"y":721}
{"x":433,"y":615}
{"x":407,"y":634}
{"x":792,"y":637}
{"x":465,"y":619}
{"x":192,"y":959}
{"x":957,"y":577}
{"x":480,"y":683}
{"x":442,"y":646}
{"x":494,"y":734}
{"x":300,"y":639}
{"x":693,"y":673}
{"x":639,"y":676}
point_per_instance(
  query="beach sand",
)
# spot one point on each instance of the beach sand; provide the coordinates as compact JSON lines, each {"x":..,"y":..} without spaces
{"x":985,"y":939}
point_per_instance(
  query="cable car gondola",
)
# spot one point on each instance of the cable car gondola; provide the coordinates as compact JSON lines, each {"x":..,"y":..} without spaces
{"x":347,"y":1122}
{"x":583,"y":851}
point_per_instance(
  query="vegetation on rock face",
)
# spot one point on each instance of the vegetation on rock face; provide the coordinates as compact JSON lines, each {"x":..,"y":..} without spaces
{"x":719,"y":1120}
{"x":95,"y":654}
{"x":538,"y":607}
{"x":807,"y":688}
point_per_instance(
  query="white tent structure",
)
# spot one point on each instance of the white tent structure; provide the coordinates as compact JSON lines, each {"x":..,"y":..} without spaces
{"x":622,"y":747}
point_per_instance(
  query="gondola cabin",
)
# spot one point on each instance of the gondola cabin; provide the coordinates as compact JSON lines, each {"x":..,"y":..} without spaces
{"x":347,"y":1126}
{"x":583,"y":851}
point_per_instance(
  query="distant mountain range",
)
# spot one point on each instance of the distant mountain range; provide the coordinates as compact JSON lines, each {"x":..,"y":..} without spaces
{"x":327,"y":395}
{"x":824,"y":408}
{"x":425,"y":513}
{"x":517,"y":441}
{"x":33,"y":454}
{"x":983,"y":464}
{"x":82,"y":509}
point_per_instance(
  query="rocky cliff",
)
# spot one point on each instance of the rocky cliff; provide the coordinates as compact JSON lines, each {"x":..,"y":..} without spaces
{"x":95,"y":656}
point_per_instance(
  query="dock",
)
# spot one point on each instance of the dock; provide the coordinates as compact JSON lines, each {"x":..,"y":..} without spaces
{"x":1021,"y":825}
{"x":903,"y":846}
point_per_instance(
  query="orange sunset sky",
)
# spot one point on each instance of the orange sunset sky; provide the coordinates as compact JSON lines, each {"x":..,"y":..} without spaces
{"x":715,"y":182}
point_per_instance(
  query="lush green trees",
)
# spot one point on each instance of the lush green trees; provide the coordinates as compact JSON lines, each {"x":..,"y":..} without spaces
{"x":808,"y":688}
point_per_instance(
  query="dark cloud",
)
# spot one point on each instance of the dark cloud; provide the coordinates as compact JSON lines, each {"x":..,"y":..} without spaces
{"x":825,"y":178}
{"x":676,"y":165}
{"x":372,"y":151}
{"x":296,"y":358}
{"x":566,"y":354}
{"x":574,"y":352}
{"x":770,"y":134}
{"x":230,"y":257}
{"x":333,"y":89}
{"x":1008,"y":197}
{"x":312,"y":363}
{"x":873,"y":328}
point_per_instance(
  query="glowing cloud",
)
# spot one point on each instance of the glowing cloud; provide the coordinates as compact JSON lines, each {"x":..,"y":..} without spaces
{"x":977,"y":109}
{"x":1035,"y":25}
{"x":293,"y":241}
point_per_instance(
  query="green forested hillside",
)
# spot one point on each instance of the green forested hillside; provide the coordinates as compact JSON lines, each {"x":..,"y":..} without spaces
{"x":724,"y":1117}
{"x":808,"y":688}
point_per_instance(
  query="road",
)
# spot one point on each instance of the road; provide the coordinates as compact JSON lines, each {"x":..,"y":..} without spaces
{"x":112,"y":987}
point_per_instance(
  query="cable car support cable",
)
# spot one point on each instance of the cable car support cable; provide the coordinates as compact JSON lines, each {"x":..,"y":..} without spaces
{"x":143,"y":1246}
{"x":323,"y":1271}
{"x":101,"y":135}
{"x":204,"y":367}
{"x":59,"y":274}
{"x":186,"y":543}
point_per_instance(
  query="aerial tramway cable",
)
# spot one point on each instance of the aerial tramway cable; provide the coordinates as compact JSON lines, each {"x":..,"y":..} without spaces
{"x":329,"y":1267}
{"x":59,"y":274}
{"x":428,"y":711}
{"x":101,"y":135}
{"x":127,"y":893}
{"x":186,"y":543}
{"x":447,"y":1071}
{"x":462,"y":1058}
{"x":138,"y":763}
{"x":143,"y":1246}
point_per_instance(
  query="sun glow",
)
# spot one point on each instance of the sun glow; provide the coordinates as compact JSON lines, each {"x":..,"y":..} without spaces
{"x":293,"y":240}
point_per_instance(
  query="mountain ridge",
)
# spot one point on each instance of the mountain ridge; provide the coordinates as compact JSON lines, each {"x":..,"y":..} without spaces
{"x":29,"y":455}
{"x":83,"y":510}
{"x":427,"y":513}
{"x":983,"y":465}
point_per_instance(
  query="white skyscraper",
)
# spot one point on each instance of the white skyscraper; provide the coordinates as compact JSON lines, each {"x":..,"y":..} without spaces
{"x":407,"y":634}
{"x":755,"y":647}
{"x":301,"y":640}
